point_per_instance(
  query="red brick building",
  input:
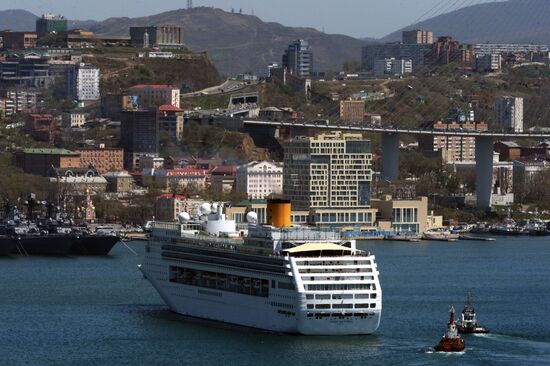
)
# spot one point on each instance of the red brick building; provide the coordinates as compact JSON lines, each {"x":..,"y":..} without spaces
{"x":42,"y":127}
{"x":44,"y":161}
{"x":103,"y":159}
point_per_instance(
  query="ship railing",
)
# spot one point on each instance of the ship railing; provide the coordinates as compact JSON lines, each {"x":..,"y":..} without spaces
{"x":212,"y":239}
{"x":356,"y":254}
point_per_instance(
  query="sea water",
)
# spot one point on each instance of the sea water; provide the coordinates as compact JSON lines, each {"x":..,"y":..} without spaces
{"x":100,"y":311}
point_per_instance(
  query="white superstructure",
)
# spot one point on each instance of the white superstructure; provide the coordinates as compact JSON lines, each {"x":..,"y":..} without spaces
{"x":292,"y":280}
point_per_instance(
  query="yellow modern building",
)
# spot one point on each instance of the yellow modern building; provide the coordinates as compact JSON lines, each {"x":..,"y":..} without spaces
{"x":404,"y":216}
{"x":331,"y":176}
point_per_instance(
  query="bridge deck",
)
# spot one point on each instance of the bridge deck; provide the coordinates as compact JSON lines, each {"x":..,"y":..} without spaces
{"x":399,"y":130}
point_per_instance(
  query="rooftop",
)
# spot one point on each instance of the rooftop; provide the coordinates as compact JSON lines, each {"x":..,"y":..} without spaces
{"x":170,"y":195}
{"x":225,"y":170}
{"x":509,"y":144}
{"x":169,"y":108}
{"x":49,"y":151}
{"x":186,"y":172}
{"x":252,"y":202}
{"x":153,"y":86}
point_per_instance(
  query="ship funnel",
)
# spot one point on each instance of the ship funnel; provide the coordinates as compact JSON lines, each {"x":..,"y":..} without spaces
{"x":278,"y":213}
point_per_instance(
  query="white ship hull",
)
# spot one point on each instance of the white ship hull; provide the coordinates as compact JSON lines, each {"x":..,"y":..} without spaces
{"x":295,"y":300}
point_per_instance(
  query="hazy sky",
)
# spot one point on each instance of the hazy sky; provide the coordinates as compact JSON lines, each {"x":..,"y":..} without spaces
{"x":359,"y":18}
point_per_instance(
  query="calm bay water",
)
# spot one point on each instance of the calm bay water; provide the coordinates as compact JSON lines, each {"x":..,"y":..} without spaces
{"x":100,"y":311}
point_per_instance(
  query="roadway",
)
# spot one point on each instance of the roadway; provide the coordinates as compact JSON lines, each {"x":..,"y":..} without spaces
{"x":228,"y":86}
{"x":400,"y":130}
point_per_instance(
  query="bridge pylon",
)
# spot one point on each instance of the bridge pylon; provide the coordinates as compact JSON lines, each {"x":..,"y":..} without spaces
{"x":484,"y":171}
{"x":390,"y":156}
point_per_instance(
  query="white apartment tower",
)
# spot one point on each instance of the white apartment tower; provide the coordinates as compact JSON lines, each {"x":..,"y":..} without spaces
{"x":83,"y":83}
{"x":509,"y":113}
{"x":259,"y":180}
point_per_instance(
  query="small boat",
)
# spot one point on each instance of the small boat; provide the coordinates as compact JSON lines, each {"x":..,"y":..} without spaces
{"x":476,"y":238}
{"x":508,"y":227}
{"x":468,"y":322}
{"x":451,"y":341}
{"x":440,"y":235}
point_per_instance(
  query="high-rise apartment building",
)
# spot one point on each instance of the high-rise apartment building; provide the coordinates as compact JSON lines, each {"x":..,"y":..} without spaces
{"x":153,"y":96}
{"x":331,"y":176}
{"x":298,"y":58}
{"x":392,"y":67}
{"x":50,"y":23}
{"x":139,"y":136}
{"x":509,"y":113}
{"x":17,"y":100}
{"x":488,"y":62}
{"x":25,"y":70}
{"x":162,"y":36}
{"x":18,"y":40}
{"x":399,"y":51}
{"x":103,"y":159}
{"x":83,"y":83}
{"x":352,"y":111}
{"x":418,"y":36}
{"x":170,"y":120}
{"x":454,"y":149}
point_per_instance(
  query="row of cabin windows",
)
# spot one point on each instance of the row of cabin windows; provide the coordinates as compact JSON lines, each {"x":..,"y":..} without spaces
{"x":341,"y":287}
{"x":335,"y":270}
{"x":341,"y":306}
{"x":220,"y":281}
{"x":332,"y":263}
{"x":340,"y":296}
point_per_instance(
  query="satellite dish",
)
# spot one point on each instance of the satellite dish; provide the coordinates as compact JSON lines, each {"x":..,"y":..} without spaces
{"x":252,"y":217}
{"x":205,"y":208}
{"x":184,"y":217}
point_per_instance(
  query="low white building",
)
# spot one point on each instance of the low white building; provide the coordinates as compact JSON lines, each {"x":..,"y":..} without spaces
{"x":488,"y":62}
{"x":74,"y":119}
{"x":175,"y":178}
{"x":259,"y":180}
{"x":392,"y":67}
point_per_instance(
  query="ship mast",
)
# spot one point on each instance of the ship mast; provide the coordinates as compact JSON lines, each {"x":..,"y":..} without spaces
{"x":452,"y":315}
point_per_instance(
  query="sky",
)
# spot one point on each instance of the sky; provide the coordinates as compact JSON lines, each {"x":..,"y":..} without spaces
{"x":357,"y":18}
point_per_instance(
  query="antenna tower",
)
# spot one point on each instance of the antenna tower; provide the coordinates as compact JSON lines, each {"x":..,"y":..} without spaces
{"x":189,"y":4}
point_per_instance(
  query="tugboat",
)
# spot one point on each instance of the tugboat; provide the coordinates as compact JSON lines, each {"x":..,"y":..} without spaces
{"x":468,"y":323}
{"x":451,"y":341}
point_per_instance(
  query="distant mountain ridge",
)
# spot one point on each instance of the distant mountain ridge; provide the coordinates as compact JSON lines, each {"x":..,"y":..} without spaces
{"x":17,"y":20}
{"x":239,"y":43}
{"x":512,"y":21}
{"x":235,"y":42}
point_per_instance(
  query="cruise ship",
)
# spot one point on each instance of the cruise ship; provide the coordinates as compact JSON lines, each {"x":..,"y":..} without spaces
{"x":274,"y":277}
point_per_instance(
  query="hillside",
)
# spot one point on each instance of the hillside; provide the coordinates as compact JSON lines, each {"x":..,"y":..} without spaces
{"x":235,"y":42}
{"x":119,"y":73}
{"x":512,"y":21}
{"x":17,"y":20}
